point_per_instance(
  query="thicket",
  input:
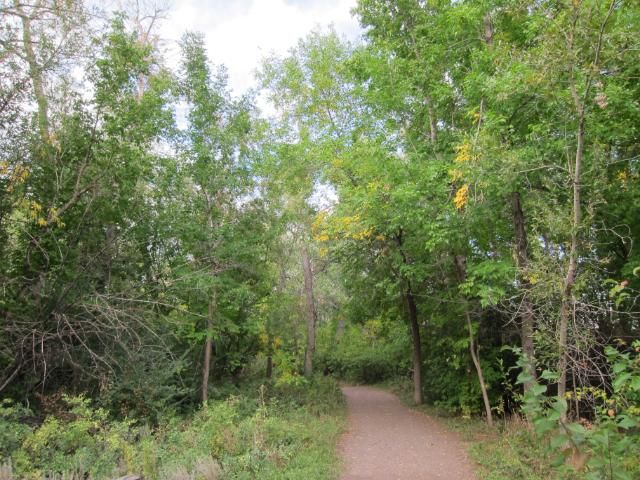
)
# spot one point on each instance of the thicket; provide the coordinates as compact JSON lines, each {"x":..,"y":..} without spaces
{"x":254,"y":430}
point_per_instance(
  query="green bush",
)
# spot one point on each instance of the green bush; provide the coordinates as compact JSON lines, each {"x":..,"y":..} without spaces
{"x":85,"y":441}
{"x":513,"y":453}
{"x":610,"y":447}
{"x":291,"y":433}
{"x":322,"y":396}
{"x":146,"y":387}
{"x":258,"y":431}
{"x":370,"y":353}
{"x":12,"y":429}
{"x":450,"y":380}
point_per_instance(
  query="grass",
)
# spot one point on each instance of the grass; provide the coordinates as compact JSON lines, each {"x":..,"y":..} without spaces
{"x":267,"y":432}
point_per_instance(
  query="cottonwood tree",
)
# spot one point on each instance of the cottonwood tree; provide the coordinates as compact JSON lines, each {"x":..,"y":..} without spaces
{"x":222,"y":228}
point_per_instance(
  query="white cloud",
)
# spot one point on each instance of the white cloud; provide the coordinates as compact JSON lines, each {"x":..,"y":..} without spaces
{"x":239,"y":34}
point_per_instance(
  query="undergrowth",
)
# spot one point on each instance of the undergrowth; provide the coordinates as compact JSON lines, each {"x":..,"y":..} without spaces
{"x":258,"y":431}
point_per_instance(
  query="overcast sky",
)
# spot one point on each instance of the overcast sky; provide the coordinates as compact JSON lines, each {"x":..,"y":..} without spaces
{"x":239,"y":33}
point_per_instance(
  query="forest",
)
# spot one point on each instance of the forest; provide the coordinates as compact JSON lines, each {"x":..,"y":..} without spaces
{"x":446,"y":208}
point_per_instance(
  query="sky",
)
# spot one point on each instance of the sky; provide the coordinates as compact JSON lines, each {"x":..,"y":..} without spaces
{"x":239,"y":33}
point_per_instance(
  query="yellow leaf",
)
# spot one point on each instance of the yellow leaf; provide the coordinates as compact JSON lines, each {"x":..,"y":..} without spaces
{"x":461,"y":197}
{"x":464,"y":153}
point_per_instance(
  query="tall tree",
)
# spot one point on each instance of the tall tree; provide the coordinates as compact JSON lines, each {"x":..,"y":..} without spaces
{"x":215,"y":155}
{"x":66,"y":288}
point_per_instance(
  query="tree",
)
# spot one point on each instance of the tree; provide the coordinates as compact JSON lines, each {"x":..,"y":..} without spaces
{"x":67,"y":308}
{"x":215,"y":156}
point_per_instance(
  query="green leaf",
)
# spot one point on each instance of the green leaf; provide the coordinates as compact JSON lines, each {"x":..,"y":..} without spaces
{"x":619,"y":474}
{"x":620,"y":380}
{"x":619,"y":367}
{"x":559,"y":441}
{"x":578,"y":432}
{"x":576,"y":429}
{"x":525,"y":377}
{"x":626,"y":422}
{"x":543,"y":425}
{"x":549,"y":375}
{"x":621,"y":298}
{"x":610,"y":352}
{"x":554,"y":416}
{"x":538,"y":389}
{"x":560,"y":405}
{"x":558,"y":460}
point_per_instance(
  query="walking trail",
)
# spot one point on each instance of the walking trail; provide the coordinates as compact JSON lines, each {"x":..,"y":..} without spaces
{"x":388,"y":441}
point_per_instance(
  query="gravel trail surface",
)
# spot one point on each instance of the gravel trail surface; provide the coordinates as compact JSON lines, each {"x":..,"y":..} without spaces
{"x":386,"y":440}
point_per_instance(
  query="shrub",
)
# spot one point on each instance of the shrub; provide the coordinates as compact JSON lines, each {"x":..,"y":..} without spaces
{"x":13,"y":430}
{"x":370,"y":353}
{"x":268,"y":432}
{"x":610,"y":447}
{"x":84,"y":441}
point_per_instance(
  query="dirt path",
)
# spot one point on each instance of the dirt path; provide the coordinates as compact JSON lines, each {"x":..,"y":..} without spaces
{"x":388,"y":441}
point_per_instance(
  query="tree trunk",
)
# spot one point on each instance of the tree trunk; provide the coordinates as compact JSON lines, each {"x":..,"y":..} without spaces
{"x":269,"y":372}
{"x":488,"y":29}
{"x":35,"y":72}
{"x":527,"y":319}
{"x":208,"y":349}
{"x":311,"y":312}
{"x":342,"y":324}
{"x":412,"y":310}
{"x":566,"y":311}
{"x":433,"y":129}
{"x":475,"y":357}
{"x":461,"y":261}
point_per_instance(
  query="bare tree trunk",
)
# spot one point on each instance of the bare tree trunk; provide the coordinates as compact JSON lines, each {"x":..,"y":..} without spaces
{"x":342,"y":324}
{"x":488,"y":29}
{"x":433,"y":129}
{"x":567,"y":307}
{"x":527,"y":319}
{"x":475,"y":357}
{"x":145,"y":23}
{"x":269,"y":371}
{"x":412,"y":310}
{"x":208,"y":349}
{"x":461,"y":261}
{"x":35,"y":72}
{"x":568,"y":302}
{"x":16,"y":370}
{"x":311,"y":312}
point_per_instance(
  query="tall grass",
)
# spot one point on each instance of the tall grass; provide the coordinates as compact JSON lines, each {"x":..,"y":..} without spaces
{"x":259,"y":431}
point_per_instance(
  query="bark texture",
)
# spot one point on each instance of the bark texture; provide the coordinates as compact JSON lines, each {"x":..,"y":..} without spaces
{"x":412,"y":310}
{"x":35,"y":72}
{"x":312,"y":315}
{"x":433,"y":128}
{"x":461,"y":268}
{"x":527,"y":319}
{"x":208,"y":350}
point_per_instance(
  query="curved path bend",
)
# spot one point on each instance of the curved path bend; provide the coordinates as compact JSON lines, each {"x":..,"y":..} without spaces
{"x":386,"y":440}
